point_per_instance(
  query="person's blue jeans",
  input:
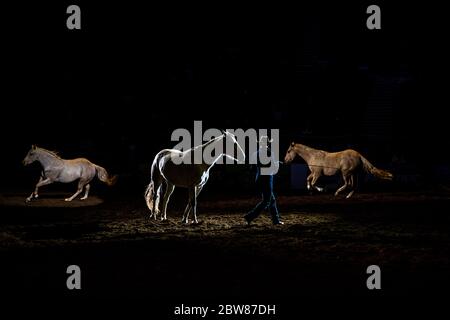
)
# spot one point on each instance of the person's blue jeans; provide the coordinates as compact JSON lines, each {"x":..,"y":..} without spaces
{"x":265,"y":186}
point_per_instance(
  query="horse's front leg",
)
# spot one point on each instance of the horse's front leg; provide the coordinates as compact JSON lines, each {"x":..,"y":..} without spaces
{"x":194,"y":205}
{"x":198,"y":189}
{"x":34,"y":194}
{"x":187,"y":210}
{"x":189,"y":206}
{"x":41,"y":182}
{"x":314,"y":181}
{"x":320,"y":189}
{"x":308,"y":181}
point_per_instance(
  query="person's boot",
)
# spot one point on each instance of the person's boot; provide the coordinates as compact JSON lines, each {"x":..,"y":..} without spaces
{"x":276,"y":220}
{"x":248,"y":219}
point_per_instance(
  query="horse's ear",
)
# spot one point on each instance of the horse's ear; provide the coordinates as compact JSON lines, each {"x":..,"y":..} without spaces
{"x":33,"y":147}
{"x":292,"y":143}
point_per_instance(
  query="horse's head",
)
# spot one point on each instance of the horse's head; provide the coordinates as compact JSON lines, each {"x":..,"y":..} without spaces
{"x":290,"y":153}
{"x":31,"y":156}
{"x":228,"y":136}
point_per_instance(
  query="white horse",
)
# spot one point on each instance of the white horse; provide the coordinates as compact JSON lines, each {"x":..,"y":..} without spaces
{"x":166,"y":175}
{"x":56,"y":169}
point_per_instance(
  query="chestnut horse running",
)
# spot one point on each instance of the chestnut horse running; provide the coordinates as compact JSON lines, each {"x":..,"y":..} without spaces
{"x":346,"y":162}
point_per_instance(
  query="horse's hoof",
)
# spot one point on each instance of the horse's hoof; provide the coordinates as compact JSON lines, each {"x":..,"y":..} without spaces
{"x":28,"y":200}
{"x":67,"y":199}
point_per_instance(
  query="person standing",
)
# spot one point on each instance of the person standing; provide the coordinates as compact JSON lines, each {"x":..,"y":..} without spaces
{"x":264,"y":183}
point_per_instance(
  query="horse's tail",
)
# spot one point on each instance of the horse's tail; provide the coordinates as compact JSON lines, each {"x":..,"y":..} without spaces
{"x":370,"y":168}
{"x":103,"y":176}
{"x":151,"y":193}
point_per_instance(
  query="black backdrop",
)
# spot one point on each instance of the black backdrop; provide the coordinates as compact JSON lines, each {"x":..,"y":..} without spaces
{"x":116,"y":89}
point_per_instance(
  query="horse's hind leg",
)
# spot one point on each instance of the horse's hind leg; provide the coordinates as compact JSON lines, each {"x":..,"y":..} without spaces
{"x":168,"y":192}
{"x":346,"y":183}
{"x":352,"y":185}
{"x":156,"y":197}
{"x":86,"y":191}
{"x":81,"y":184}
{"x":41,"y":182}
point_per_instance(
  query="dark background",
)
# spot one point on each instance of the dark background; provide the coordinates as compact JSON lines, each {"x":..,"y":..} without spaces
{"x":114,"y":91}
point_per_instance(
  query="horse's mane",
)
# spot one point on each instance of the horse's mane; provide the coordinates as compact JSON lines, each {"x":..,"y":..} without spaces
{"x":208,"y":142}
{"x":52,"y":153}
{"x":309,"y":149}
{"x":306,"y":147}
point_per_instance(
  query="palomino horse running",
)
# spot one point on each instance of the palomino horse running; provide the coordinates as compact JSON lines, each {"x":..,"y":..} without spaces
{"x":330,"y":163}
{"x":55,"y":169}
{"x":166,"y":175}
